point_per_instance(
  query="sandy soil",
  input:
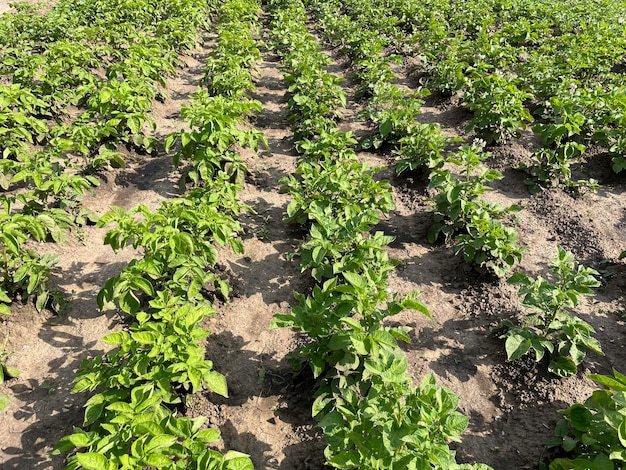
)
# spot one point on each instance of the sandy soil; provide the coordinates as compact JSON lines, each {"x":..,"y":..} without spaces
{"x":512,"y":406}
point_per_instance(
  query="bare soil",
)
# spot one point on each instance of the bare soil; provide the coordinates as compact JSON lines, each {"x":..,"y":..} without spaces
{"x":512,"y":406}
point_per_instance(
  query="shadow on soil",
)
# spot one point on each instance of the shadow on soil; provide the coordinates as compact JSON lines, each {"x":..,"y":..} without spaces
{"x":270,"y":392}
{"x":49,"y":402}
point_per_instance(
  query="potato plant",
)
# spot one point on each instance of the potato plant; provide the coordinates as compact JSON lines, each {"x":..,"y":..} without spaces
{"x":460,"y":215}
{"x":55,"y":59}
{"x":593,"y":433}
{"x":390,"y":108}
{"x":552,"y":328}
{"x":109,"y":61}
{"x":510,"y":64}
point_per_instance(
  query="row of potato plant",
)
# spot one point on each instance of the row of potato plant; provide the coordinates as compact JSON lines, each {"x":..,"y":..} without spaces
{"x":218,"y":113}
{"x":134,"y":420}
{"x":559,"y":69}
{"x":371,"y":414}
{"x":78,"y":79}
{"x":483,"y":239}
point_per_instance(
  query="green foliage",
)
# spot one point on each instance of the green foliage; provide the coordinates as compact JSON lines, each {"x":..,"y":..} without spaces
{"x":370,"y":415}
{"x":383,"y":422}
{"x":498,"y":106}
{"x":142,"y":433}
{"x":564,"y":143}
{"x":422,"y":149}
{"x":461,"y":215}
{"x":178,"y":243}
{"x":343,"y":318}
{"x":552,"y":328}
{"x":594,"y":433}
{"x":23,"y":272}
{"x":315,"y":95}
{"x":331,"y":186}
{"x":488,"y":243}
{"x":458,"y":195}
{"x":507,"y":63}
{"x":132,"y":421}
{"x":208,"y":148}
{"x":6,"y":372}
{"x":161,"y":348}
{"x":394,"y":112}
{"x":228,"y":72}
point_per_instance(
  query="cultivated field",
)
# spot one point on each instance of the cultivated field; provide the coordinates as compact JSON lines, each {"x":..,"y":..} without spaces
{"x":309,"y":226}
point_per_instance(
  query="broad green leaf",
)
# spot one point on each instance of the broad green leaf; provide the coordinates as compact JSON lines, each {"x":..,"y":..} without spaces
{"x":158,"y":461}
{"x":147,"y":403}
{"x":79,"y":439}
{"x":562,"y":366}
{"x":352,"y":323}
{"x":129,"y":303}
{"x":92,"y":461}
{"x":413,"y":304}
{"x":617,"y":385}
{"x":350,"y":459}
{"x":237,"y":461}
{"x":569,"y":443}
{"x":11,"y":372}
{"x":159,"y":442}
{"x":208,"y":436}
{"x":121,"y":407}
{"x":516,"y":346}
{"x":355,"y":280}
{"x":580,"y":417}
{"x":518,"y":278}
{"x":385,"y":128}
{"x":118,"y":337}
{"x":4,"y":400}
{"x":93,"y":413}
{"x":217,"y":383}
{"x":144,"y":337}
{"x":144,"y":285}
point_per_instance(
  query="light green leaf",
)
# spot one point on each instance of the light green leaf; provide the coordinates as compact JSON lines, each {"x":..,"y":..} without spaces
{"x":158,"y":461}
{"x":92,"y":461}
{"x":237,"y":461}
{"x":516,"y":346}
{"x":118,"y":337}
{"x":208,"y":436}
{"x":4,"y":400}
{"x":355,"y":280}
{"x":217,"y":383}
{"x":160,"y":442}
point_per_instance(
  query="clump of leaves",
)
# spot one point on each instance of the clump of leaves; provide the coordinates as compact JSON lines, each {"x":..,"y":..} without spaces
{"x":498,"y":105}
{"x":551,"y":327}
{"x":460,"y":213}
{"x":563,"y":142}
{"x":594,"y":433}
{"x":6,"y":372}
{"x":384,"y":422}
{"x":422,"y":149}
